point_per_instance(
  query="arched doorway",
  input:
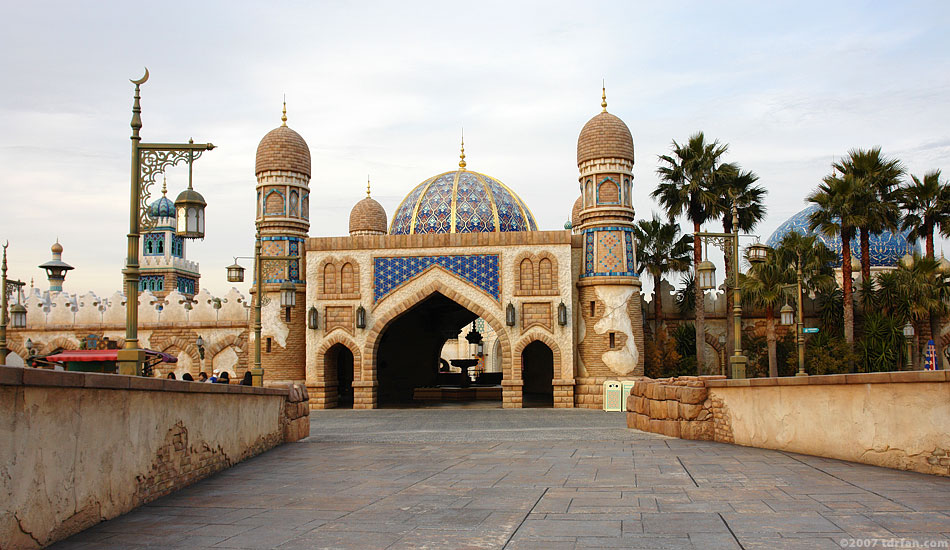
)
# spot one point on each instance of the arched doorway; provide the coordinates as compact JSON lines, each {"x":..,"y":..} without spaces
{"x":339,"y":362}
{"x":409,"y":352}
{"x":537,"y":364}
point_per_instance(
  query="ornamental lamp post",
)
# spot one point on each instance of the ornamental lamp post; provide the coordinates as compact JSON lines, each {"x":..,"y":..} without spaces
{"x":908,"y":336}
{"x":17,"y":318}
{"x":149,"y":160}
{"x":706,"y":279}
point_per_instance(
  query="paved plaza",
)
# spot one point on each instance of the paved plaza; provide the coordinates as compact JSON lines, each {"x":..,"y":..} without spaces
{"x":457,"y":478}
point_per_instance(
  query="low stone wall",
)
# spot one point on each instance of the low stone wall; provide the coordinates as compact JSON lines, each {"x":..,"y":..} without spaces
{"x":80,"y":448}
{"x":896,"y":419}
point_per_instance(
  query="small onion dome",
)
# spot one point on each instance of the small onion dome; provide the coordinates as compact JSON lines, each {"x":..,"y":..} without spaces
{"x":604,"y":136}
{"x":283,"y":149}
{"x":162,"y":208}
{"x":368,"y":217}
{"x":576,"y":212}
{"x":56,"y":248}
{"x":943,"y":265}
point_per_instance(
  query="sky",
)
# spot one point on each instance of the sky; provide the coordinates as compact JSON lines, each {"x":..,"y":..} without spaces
{"x":384,"y":88}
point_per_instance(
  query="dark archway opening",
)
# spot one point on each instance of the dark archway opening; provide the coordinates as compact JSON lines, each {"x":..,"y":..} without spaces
{"x":409,"y":353}
{"x":537,"y":372}
{"x":339,"y":360}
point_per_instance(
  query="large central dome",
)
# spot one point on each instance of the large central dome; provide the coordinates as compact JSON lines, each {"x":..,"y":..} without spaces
{"x":461,"y":202}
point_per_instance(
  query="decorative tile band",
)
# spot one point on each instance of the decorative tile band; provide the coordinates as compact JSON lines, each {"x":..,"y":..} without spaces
{"x":617,"y":266}
{"x":480,"y":270}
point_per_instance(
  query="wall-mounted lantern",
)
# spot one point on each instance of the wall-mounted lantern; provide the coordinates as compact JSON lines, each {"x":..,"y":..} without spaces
{"x":201,"y":347}
{"x":312,"y":318}
{"x":361,"y":317}
{"x":562,"y":314}
{"x":510,"y":315}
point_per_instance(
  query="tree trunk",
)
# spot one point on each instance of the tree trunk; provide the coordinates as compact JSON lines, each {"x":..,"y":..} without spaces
{"x":771,"y":339}
{"x":846,"y":287}
{"x":865,"y":255}
{"x":730,"y":317}
{"x":657,"y":305}
{"x":930,"y":241}
{"x":700,"y":310}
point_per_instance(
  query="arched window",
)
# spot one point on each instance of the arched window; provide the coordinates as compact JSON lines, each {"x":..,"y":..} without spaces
{"x":294,"y":198}
{"x":274,"y":203}
{"x":346,"y":279}
{"x":608,"y":192}
{"x":329,"y":279}
{"x":305,"y":207}
{"x":588,"y":194}
{"x":160,"y":248}
{"x":527,"y":275}
{"x":626,"y":192}
{"x":546,"y":272}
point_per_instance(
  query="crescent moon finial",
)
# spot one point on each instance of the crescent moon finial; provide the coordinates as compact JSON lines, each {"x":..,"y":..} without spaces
{"x":142,"y":80}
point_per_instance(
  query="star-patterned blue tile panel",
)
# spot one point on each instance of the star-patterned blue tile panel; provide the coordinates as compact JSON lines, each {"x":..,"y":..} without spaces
{"x":481,"y":270}
{"x":624,"y":262}
{"x":886,"y":248}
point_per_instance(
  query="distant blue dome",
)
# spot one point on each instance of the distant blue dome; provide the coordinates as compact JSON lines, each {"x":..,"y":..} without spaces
{"x":461,"y":202}
{"x":886,"y":248}
{"x":162,"y":208}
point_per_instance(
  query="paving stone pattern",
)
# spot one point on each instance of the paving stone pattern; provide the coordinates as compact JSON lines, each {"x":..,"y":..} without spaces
{"x":529,"y":479}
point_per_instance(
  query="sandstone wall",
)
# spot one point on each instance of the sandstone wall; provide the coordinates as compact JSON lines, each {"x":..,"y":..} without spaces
{"x":78,"y":448}
{"x":891,"y":419}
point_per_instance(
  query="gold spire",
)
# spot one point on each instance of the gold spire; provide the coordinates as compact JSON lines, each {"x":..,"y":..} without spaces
{"x":462,"y":155}
{"x":367,"y":186}
{"x":283,"y":116}
{"x":603,"y":97}
{"x":164,"y":186}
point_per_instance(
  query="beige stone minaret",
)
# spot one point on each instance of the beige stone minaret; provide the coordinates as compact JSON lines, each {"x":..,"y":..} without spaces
{"x":283,"y":219}
{"x":608,"y":285}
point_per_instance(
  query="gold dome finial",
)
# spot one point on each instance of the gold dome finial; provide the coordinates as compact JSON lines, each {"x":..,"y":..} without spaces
{"x":462,"y":154}
{"x":603,"y":97}
{"x":367,"y":186}
{"x":164,"y":185}
{"x":283,"y":116}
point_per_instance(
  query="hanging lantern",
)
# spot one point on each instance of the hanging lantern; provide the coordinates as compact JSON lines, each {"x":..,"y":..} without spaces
{"x":562,"y":314}
{"x":190,"y":209}
{"x":787,"y":314}
{"x":312,"y":318}
{"x":235,"y":273}
{"x":757,"y":253}
{"x":473,"y":336}
{"x":706,"y":275}
{"x":18,"y":316}
{"x":510,"y":315}
{"x":288,"y":294}
{"x":361,"y":317}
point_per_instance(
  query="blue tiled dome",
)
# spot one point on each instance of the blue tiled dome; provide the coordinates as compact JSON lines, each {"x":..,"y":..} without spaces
{"x":162,"y":208}
{"x":461,"y":202}
{"x":886,"y":248}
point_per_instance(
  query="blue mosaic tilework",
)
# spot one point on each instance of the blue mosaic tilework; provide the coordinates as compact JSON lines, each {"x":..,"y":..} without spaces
{"x":589,"y":265}
{"x":178,"y":246}
{"x":886,"y":248}
{"x":438,"y":198}
{"x":481,"y":270}
{"x":473,"y":207}
{"x":153,"y":244}
{"x":277,"y":271}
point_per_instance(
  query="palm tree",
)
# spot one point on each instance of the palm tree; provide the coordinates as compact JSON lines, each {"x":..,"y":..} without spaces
{"x":877,"y":178}
{"x":684,"y":189}
{"x":924,"y":284}
{"x":811,"y":256}
{"x":661,"y":250}
{"x":732,"y":185}
{"x":927,"y":206}
{"x":838,"y":215}
{"x":766,"y":285}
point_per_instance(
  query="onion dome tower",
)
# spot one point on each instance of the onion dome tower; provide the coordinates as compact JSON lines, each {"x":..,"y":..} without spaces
{"x":283,"y":218}
{"x":368,"y":217}
{"x":608,"y":286}
{"x":164,"y":266}
{"x":56,"y":268}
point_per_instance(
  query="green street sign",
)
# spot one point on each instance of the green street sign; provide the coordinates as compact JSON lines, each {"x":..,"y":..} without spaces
{"x":810,"y":330}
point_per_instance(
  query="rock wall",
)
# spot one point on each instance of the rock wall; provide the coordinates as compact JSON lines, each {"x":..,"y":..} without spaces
{"x":80,"y":448}
{"x":891,"y":419}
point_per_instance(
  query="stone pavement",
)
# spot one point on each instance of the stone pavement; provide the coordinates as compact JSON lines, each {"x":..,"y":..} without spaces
{"x":453,"y":478}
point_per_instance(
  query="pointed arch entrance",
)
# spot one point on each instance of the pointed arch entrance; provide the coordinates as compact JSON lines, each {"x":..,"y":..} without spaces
{"x":404,"y":344}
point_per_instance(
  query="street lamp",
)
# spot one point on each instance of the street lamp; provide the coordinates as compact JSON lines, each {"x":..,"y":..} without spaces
{"x":722,"y":354}
{"x":705,"y":274}
{"x":908,"y":336}
{"x":149,"y":160}
{"x":288,"y":297}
